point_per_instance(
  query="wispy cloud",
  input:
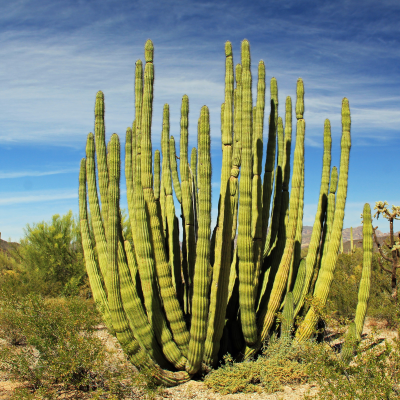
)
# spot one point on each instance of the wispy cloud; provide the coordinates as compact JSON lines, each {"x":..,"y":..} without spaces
{"x":37,"y":196}
{"x":23,"y":174}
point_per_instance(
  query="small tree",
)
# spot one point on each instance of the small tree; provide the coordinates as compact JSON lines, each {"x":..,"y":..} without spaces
{"x":52,"y":253}
{"x":390,"y":250}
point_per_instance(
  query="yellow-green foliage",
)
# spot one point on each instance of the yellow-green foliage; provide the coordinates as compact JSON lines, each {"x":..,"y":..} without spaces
{"x":279,"y":365}
{"x":343,"y":295}
{"x":48,"y":261}
{"x":60,"y":352}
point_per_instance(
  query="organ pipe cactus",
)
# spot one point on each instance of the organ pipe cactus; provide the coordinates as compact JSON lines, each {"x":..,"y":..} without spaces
{"x":351,"y":240}
{"x":177,"y":309}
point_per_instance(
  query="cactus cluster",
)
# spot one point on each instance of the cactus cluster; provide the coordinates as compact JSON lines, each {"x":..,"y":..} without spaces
{"x":177,"y":308}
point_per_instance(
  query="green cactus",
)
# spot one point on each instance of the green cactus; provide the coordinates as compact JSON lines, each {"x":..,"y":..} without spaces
{"x":312,"y":255}
{"x":326,"y":235}
{"x":341,"y":244}
{"x":174,"y":169}
{"x":365,"y":283}
{"x":287,"y":316}
{"x":175,"y":310}
{"x":349,"y":344}
{"x":245,"y":241}
{"x":200,"y":279}
{"x":351,"y":240}
{"x":325,"y":276}
{"x":223,"y":232}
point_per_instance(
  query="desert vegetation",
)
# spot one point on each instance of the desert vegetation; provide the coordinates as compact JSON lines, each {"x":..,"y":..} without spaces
{"x":240,"y":305}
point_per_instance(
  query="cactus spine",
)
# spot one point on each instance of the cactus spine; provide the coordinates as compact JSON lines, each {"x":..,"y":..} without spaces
{"x":179,"y":310}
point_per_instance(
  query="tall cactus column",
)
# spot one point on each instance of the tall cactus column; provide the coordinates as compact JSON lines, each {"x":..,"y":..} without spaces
{"x":200,"y":280}
{"x":223,"y":236}
{"x":325,"y":277}
{"x":256,"y":211}
{"x":245,"y":241}
{"x":312,"y":255}
{"x":365,"y":283}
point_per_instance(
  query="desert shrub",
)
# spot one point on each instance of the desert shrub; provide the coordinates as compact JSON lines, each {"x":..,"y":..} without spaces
{"x":343,"y":295}
{"x":56,"y":349}
{"x":278,"y":365}
{"x":59,"y":352}
{"x":374,"y":374}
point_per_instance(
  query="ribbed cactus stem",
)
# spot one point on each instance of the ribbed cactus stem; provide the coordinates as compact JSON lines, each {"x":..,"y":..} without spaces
{"x":200,"y":280}
{"x":94,"y":205}
{"x":256,"y":211}
{"x":351,"y":240}
{"x":237,"y":149}
{"x":157,"y":175}
{"x":269,"y":162}
{"x":189,"y":245}
{"x":299,"y":229}
{"x":174,"y":169}
{"x":194,"y":187}
{"x":272,"y":236}
{"x":223,"y":236}
{"x":327,"y":269}
{"x":365,"y":283}
{"x":149,"y":284}
{"x":133,"y":305}
{"x":299,"y":282}
{"x":300,"y":99}
{"x":137,"y":132}
{"x":120,"y":322}
{"x":267,"y":314}
{"x":129,"y":171}
{"x":147,"y":173}
{"x":99,"y":294}
{"x":288,"y":145}
{"x":326,"y":237}
{"x":245,"y":241}
{"x":287,"y":317}
{"x":312,"y":255}
{"x":171,"y":304}
{"x":350,"y":344}
{"x":100,"y":135}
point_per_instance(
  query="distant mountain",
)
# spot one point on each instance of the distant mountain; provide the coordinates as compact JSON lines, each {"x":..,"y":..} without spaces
{"x":357,"y":236}
{"x":7,"y":246}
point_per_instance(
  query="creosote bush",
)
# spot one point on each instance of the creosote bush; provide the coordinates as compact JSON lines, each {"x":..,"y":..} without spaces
{"x":342,"y":299}
{"x":58,"y":352}
{"x":279,"y":364}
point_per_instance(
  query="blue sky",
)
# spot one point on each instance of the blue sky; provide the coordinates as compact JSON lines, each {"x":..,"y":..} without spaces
{"x":56,"y":55}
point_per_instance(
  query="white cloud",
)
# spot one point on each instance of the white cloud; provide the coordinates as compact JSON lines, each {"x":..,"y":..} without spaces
{"x":22,"y":174}
{"x":37,"y":196}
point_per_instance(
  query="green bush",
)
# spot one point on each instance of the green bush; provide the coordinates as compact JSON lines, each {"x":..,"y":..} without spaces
{"x":277,"y":366}
{"x":49,"y":260}
{"x":58,"y":352}
{"x":343,"y":295}
{"x":373,"y":375}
